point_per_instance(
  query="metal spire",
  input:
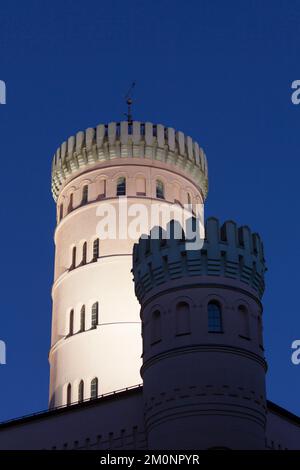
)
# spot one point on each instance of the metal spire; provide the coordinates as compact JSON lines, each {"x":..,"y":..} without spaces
{"x":129,"y":102}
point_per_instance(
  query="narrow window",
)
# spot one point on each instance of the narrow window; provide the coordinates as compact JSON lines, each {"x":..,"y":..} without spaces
{"x":160,"y":190}
{"x":94,"y":388}
{"x":156,"y":327}
{"x":61,"y":211}
{"x":95,"y":310}
{"x":259,"y":332}
{"x":189,"y":201}
{"x":182,"y":318}
{"x":244,"y":322}
{"x":85,"y":192}
{"x":102,"y":194}
{"x":84,"y":252}
{"x":96,"y":249}
{"x":70,"y":207}
{"x":73,"y":264}
{"x":82,"y":318}
{"x":71,"y":323}
{"x":214,"y":318}
{"x":69,"y":395}
{"x":121,"y":186}
{"x":81,"y":392}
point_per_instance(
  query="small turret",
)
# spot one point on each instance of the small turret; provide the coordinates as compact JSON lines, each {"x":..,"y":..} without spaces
{"x":203,"y":361}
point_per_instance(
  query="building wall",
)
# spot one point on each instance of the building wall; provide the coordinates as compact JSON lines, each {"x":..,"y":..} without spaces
{"x":116,"y":422}
{"x":108,"y":423}
{"x":283,"y":429}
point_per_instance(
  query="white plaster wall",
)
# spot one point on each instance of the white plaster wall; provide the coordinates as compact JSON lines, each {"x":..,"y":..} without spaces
{"x":112,"y":351}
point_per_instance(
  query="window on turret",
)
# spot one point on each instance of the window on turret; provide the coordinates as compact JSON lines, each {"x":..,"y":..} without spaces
{"x":81,"y":392}
{"x":102,"y":193}
{"x":94,"y":388}
{"x":96,"y":249}
{"x":121,"y":186}
{"x":85,"y":193}
{"x":71,"y":323}
{"x":260,"y":332}
{"x":61,"y":211}
{"x":214,"y":317}
{"x":84,"y":252}
{"x":73,"y":263}
{"x":95,"y":310}
{"x":70,"y":207}
{"x":156,"y":327}
{"x":182,"y":318}
{"x":82,"y":318}
{"x":69,"y":395}
{"x":160,"y":190}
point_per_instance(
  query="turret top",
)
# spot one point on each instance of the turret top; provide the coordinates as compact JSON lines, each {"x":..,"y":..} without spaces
{"x":228,"y":251}
{"x":128,"y":140}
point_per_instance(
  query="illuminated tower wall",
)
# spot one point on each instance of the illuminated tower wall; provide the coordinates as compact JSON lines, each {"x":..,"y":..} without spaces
{"x":96,"y":332}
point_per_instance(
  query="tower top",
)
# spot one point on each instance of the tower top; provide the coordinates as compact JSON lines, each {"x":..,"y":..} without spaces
{"x":117,"y":140}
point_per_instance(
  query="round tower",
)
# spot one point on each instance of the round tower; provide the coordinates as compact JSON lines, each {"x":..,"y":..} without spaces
{"x":203,"y":357}
{"x":96,"y":340}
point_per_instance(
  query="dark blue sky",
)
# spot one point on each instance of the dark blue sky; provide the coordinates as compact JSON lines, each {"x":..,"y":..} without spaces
{"x":221,"y":71}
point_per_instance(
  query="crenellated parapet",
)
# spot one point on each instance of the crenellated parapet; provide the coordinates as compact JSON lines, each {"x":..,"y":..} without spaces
{"x":228,"y":251}
{"x":128,"y":140}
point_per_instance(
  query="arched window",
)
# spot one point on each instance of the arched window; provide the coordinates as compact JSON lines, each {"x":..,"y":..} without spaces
{"x":244,"y":322}
{"x":61,"y":211}
{"x":160,"y":190}
{"x":85,"y":194}
{"x":73,"y":263}
{"x":95,"y":310}
{"x":182,"y":318}
{"x":70,"y":207}
{"x":69,"y":394}
{"x":214,"y":317}
{"x":82,"y":318}
{"x":71,"y":323}
{"x":81,"y":391}
{"x":84,"y":252}
{"x":121,"y":186}
{"x":96,"y":249}
{"x":94,"y":388}
{"x":156,"y":327}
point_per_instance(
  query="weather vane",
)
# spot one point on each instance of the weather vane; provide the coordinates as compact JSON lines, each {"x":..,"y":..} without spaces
{"x":129,"y":102}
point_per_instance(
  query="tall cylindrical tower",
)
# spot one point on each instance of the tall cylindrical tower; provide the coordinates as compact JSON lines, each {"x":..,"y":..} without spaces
{"x":96,"y":338}
{"x":203,"y":361}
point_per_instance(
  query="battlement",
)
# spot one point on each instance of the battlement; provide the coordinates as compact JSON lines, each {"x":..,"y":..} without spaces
{"x":228,"y":251}
{"x":128,"y":140}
